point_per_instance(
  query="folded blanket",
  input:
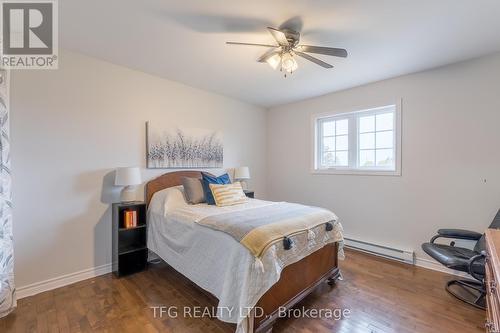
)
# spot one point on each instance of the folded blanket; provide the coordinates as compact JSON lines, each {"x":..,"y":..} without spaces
{"x":259,"y":228}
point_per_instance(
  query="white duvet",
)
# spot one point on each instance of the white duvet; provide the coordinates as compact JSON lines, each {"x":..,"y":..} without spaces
{"x":214,"y":260}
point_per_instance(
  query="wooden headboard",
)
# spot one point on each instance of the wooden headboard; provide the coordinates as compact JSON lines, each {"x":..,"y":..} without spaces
{"x":167,"y":180}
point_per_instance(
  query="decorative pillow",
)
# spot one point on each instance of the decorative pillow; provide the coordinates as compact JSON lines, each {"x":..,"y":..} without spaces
{"x":193,"y":190}
{"x":165,"y":200}
{"x":207,"y":179}
{"x":228,"y":195}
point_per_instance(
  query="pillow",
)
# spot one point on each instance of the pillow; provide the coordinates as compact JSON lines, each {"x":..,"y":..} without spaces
{"x":166,"y":200}
{"x":207,"y":179}
{"x":193,"y":190}
{"x":228,"y":195}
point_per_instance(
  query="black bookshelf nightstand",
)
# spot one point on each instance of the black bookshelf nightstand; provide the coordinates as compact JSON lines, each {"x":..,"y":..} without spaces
{"x":249,"y":193}
{"x":130,"y":251}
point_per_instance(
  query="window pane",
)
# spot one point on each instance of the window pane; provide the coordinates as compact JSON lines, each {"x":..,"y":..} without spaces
{"x":367,"y":124}
{"x":385,"y":121}
{"x":341,"y":159}
{"x":328,"y":159}
{"x":367,"y":141}
{"x":328,"y":128}
{"x":366,"y":158}
{"x":385,"y":139}
{"x":342,"y":142}
{"x":342,"y":126}
{"x":385,"y":157}
{"x":328,"y":144}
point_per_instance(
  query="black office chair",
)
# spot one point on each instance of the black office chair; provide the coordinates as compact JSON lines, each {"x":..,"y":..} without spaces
{"x":464,"y":260}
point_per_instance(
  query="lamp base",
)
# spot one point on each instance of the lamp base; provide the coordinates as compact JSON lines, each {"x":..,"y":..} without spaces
{"x":127,"y":194}
{"x":243,"y":183}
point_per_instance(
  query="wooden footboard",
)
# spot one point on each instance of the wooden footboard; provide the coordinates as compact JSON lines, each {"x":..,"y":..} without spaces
{"x":296,"y":282}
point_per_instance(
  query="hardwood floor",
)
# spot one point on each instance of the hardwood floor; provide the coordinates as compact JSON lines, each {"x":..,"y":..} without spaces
{"x":382,"y":296}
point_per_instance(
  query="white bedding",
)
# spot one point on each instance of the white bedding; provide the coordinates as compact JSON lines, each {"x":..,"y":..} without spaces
{"x":214,"y":260}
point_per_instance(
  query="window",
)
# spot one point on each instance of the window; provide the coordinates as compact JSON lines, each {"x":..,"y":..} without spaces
{"x":360,"y":142}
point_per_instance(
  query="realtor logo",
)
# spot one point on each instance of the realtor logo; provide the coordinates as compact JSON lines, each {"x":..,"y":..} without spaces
{"x":29,"y":34}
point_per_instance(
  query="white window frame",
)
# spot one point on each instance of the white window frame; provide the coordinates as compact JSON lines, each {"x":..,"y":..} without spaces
{"x":354,"y":140}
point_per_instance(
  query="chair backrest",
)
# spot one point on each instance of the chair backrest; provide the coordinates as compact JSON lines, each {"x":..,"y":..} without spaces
{"x":481,"y":243}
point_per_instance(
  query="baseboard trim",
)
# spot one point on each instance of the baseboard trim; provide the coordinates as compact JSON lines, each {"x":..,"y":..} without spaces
{"x":435,"y":266}
{"x":62,"y":281}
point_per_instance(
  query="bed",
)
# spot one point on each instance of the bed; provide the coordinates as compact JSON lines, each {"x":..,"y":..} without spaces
{"x":251,"y":291}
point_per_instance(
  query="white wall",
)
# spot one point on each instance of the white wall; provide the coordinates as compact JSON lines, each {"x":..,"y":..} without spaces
{"x":71,"y":127}
{"x":451,"y":140}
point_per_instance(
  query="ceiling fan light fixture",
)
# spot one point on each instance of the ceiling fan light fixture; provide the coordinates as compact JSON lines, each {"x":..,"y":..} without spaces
{"x":274,"y":61}
{"x":288,"y":63}
{"x":282,"y":54}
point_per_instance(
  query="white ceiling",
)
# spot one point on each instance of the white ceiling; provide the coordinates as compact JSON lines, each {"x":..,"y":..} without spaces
{"x":185,"y":40}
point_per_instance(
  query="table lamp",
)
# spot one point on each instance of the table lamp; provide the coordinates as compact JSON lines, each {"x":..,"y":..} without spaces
{"x":128,"y":177}
{"x":241,"y":174}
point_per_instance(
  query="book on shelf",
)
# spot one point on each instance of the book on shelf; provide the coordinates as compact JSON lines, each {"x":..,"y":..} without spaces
{"x":134,"y":219}
{"x":130,"y":219}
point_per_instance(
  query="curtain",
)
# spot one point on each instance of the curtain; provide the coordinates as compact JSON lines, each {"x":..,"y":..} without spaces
{"x":7,"y":289}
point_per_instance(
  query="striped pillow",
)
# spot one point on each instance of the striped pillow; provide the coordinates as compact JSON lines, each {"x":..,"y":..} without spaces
{"x":227,"y":195}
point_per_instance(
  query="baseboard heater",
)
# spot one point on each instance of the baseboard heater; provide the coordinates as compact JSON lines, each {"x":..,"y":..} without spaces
{"x":382,"y":251}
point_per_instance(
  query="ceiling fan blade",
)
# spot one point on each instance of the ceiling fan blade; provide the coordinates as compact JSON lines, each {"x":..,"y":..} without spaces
{"x":251,"y":44}
{"x":267,"y":55}
{"x":331,"y":51}
{"x":313,"y":59}
{"x":279,"y":36}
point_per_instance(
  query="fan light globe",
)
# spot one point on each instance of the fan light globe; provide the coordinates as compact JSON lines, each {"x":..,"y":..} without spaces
{"x":274,"y":61}
{"x":288,"y":63}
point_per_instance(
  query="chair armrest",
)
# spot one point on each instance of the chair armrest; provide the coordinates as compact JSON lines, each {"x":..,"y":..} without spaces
{"x":457,"y":234}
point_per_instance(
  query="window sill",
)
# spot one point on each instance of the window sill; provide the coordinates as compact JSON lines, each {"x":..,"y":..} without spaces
{"x":356,"y":172}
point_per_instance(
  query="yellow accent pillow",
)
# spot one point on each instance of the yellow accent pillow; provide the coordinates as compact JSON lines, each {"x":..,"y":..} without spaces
{"x":228,"y":195}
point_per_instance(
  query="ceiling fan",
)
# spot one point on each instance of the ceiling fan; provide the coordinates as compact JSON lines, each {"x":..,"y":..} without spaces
{"x":282,"y":56}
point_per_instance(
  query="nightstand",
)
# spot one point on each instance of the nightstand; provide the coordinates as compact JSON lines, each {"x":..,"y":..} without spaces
{"x":249,"y":193}
{"x":130,"y":251}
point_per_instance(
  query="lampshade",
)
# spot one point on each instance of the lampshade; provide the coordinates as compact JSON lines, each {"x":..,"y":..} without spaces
{"x":242,"y":173}
{"x":128,"y":176}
